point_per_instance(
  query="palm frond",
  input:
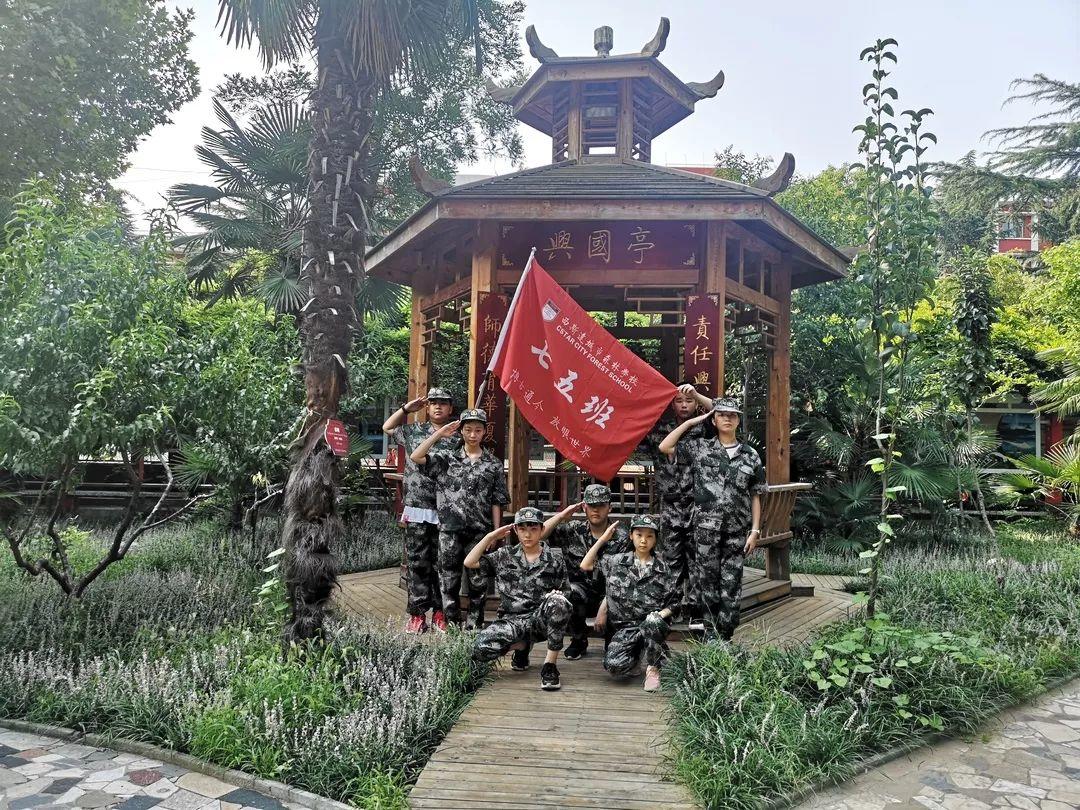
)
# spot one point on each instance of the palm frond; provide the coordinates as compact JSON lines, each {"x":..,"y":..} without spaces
{"x":282,"y":28}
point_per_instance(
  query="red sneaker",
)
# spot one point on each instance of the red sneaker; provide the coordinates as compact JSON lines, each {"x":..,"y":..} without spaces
{"x":438,"y":621}
{"x":416,"y":625}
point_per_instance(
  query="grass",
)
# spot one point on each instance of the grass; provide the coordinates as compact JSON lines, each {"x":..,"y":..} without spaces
{"x":963,"y":630}
{"x":174,"y":647}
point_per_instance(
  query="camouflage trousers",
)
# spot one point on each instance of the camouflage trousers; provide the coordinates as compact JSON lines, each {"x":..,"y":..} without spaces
{"x":585,"y":597}
{"x":716,"y":575}
{"x":453,"y":546}
{"x":676,"y":547}
{"x":548,"y":622}
{"x":422,"y":567}
{"x":629,"y":643}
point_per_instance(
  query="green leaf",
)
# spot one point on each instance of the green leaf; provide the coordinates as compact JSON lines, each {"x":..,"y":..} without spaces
{"x":885,"y":528}
{"x":883,"y":682}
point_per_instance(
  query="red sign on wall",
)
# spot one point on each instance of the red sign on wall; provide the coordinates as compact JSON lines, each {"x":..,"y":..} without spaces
{"x":490,"y":314}
{"x":702,"y":343}
{"x":337,"y":437}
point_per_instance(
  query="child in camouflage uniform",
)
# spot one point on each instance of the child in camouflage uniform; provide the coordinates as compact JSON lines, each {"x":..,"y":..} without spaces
{"x":419,"y":515}
{"x":674,"y":487}
{"x":640,"y":599}
{"x":575,"y":539}
{"x":533,"y":589}
{"x":729,"y":481}
{"x":470,"y":491}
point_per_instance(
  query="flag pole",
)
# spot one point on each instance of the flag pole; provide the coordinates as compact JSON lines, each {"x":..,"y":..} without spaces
{"x":502,"y":332}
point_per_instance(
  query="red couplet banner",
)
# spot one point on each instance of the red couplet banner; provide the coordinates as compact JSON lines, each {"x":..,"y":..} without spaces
{"x":586,"y":393}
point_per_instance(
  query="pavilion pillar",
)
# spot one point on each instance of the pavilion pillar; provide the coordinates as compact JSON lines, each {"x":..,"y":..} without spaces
{"x":778,"y":412}
{"x":517,"y":449}
{"x":483,"y":281}
{"x":419,"y":351}
{"x":714,"y":283}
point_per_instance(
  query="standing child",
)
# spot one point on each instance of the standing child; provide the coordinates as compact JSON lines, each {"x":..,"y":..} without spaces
{"x":640,"y":599}
{"x":533,"y":589}
{"x":470,"y":489}
{"x":419,"y":515}
{"x":575,"y":538}
{"x":674,"y":486}
{"x":729,"y":481}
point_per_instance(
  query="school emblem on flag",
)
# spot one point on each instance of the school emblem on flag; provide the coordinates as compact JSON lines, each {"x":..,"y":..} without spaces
{"x":581,"y":389}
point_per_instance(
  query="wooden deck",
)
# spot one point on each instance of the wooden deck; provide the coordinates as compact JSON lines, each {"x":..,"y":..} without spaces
{"x":597,"y":743}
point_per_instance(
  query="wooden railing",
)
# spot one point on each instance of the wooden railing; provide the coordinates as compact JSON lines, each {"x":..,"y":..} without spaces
{"x":777,"y":506}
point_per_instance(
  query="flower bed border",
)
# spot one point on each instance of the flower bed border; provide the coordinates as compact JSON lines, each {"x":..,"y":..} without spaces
{"x":270,"y":787}
{"x":785,"y":800}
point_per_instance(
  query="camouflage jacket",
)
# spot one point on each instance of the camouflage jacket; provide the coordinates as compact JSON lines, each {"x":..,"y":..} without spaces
{"x":419,"y":488}
{"x":673,"y":480}
{"x":575,"y":538}
{"x":466,"y":490}
{"x":723,"y":487}
{"x":634,"y":591}
{"x":520,"y":584}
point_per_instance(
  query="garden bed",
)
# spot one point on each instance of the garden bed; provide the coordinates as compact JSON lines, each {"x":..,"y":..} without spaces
{"x":175,"y":648}
{"x":960,"y":635}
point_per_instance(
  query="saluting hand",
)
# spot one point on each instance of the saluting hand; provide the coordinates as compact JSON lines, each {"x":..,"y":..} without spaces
{"x":688,"y":390}
{"x":609,"y":532}
{"x":448,"y":428}
{"x":414,"y":405}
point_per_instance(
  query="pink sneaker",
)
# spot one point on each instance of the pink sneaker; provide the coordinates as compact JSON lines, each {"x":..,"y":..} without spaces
{"x":652,"y":679}
{"x":416,"y":625}
{"x":438,"y":621}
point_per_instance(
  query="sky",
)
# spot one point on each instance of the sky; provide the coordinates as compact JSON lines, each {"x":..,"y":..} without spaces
{"x":793,"y":75}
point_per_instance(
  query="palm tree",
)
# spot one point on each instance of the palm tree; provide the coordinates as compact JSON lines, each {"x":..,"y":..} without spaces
{"x":252,"y":220}
{"x":1053,"y":479}
{"x":358,"y":47}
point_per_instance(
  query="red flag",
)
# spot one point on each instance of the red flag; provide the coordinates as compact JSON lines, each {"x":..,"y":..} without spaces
{"x":589,"y":395}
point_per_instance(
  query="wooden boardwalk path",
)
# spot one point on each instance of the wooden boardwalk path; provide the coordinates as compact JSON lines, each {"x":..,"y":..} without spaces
{"x":597,"y":743}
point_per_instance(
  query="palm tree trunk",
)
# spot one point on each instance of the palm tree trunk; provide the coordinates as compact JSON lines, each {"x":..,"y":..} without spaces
{"x":334,"y":239}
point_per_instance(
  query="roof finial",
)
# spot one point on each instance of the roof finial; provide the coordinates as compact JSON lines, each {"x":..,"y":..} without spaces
{"x":659,"y":41}
{"x":603,"y":40}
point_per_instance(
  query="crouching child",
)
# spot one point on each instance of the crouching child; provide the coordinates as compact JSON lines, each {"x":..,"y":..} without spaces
{"x":533,"y":591}
{"x":640,"y":598}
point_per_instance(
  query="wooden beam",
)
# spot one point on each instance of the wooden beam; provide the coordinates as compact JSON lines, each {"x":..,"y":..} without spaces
{"x":517,"y":452}
{"x":574,"y":124}
{"x":485,"y":256}
{"x":420,"y":222}
{"x":606,"y":71}
{"x":598,"y":209}
{"x":624,"y":143}
{"x":451,"y":292}
{"x":740,"y":292}
{"x":796,"y":232}
{"x":778,"y":412}
{"x":754,"y":242}
{"x":636,"y":277}
{"x":715,"y":283}
{"x":419,"y":361}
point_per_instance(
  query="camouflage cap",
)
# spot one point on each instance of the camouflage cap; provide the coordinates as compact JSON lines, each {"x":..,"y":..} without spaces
{"x":645,"y":522}
{"x":440,"y":395}
{"x":596,"y":494}
{"x":528,"y":514}
{"x":473,"y":415}
{"x":726,"y":405}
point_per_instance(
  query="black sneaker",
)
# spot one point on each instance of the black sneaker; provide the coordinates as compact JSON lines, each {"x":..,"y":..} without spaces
{"x":576,"y":649}
{"x":549,"y":678}
{"x":519,"y":661}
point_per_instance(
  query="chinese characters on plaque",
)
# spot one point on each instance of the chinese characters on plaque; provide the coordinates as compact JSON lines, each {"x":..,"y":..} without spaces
{"x":602,"y":245}
{"x":704,"y":325}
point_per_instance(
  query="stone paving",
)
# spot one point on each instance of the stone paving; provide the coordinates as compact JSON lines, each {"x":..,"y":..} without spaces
{"x":38,"y":771}
{"x":1027,"y":759}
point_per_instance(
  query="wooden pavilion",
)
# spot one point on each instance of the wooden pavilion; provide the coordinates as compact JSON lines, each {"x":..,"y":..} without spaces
{"x":700,"y":255}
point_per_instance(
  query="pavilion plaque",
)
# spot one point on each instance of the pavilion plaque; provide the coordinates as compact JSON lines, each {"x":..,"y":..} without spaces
{"x":623,"y":244}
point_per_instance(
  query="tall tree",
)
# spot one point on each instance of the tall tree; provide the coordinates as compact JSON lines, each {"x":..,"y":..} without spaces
{"x":359,"y":47}
{"x":81,"y":81}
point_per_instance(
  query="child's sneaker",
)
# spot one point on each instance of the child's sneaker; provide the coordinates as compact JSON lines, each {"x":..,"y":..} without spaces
{"x":438,"y":621}
{"x":519,"y":661}
{"x":652,"y":679}
{"x":576,"y":649}
{"x":416,"y":625}
{"x":549,"y":678}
